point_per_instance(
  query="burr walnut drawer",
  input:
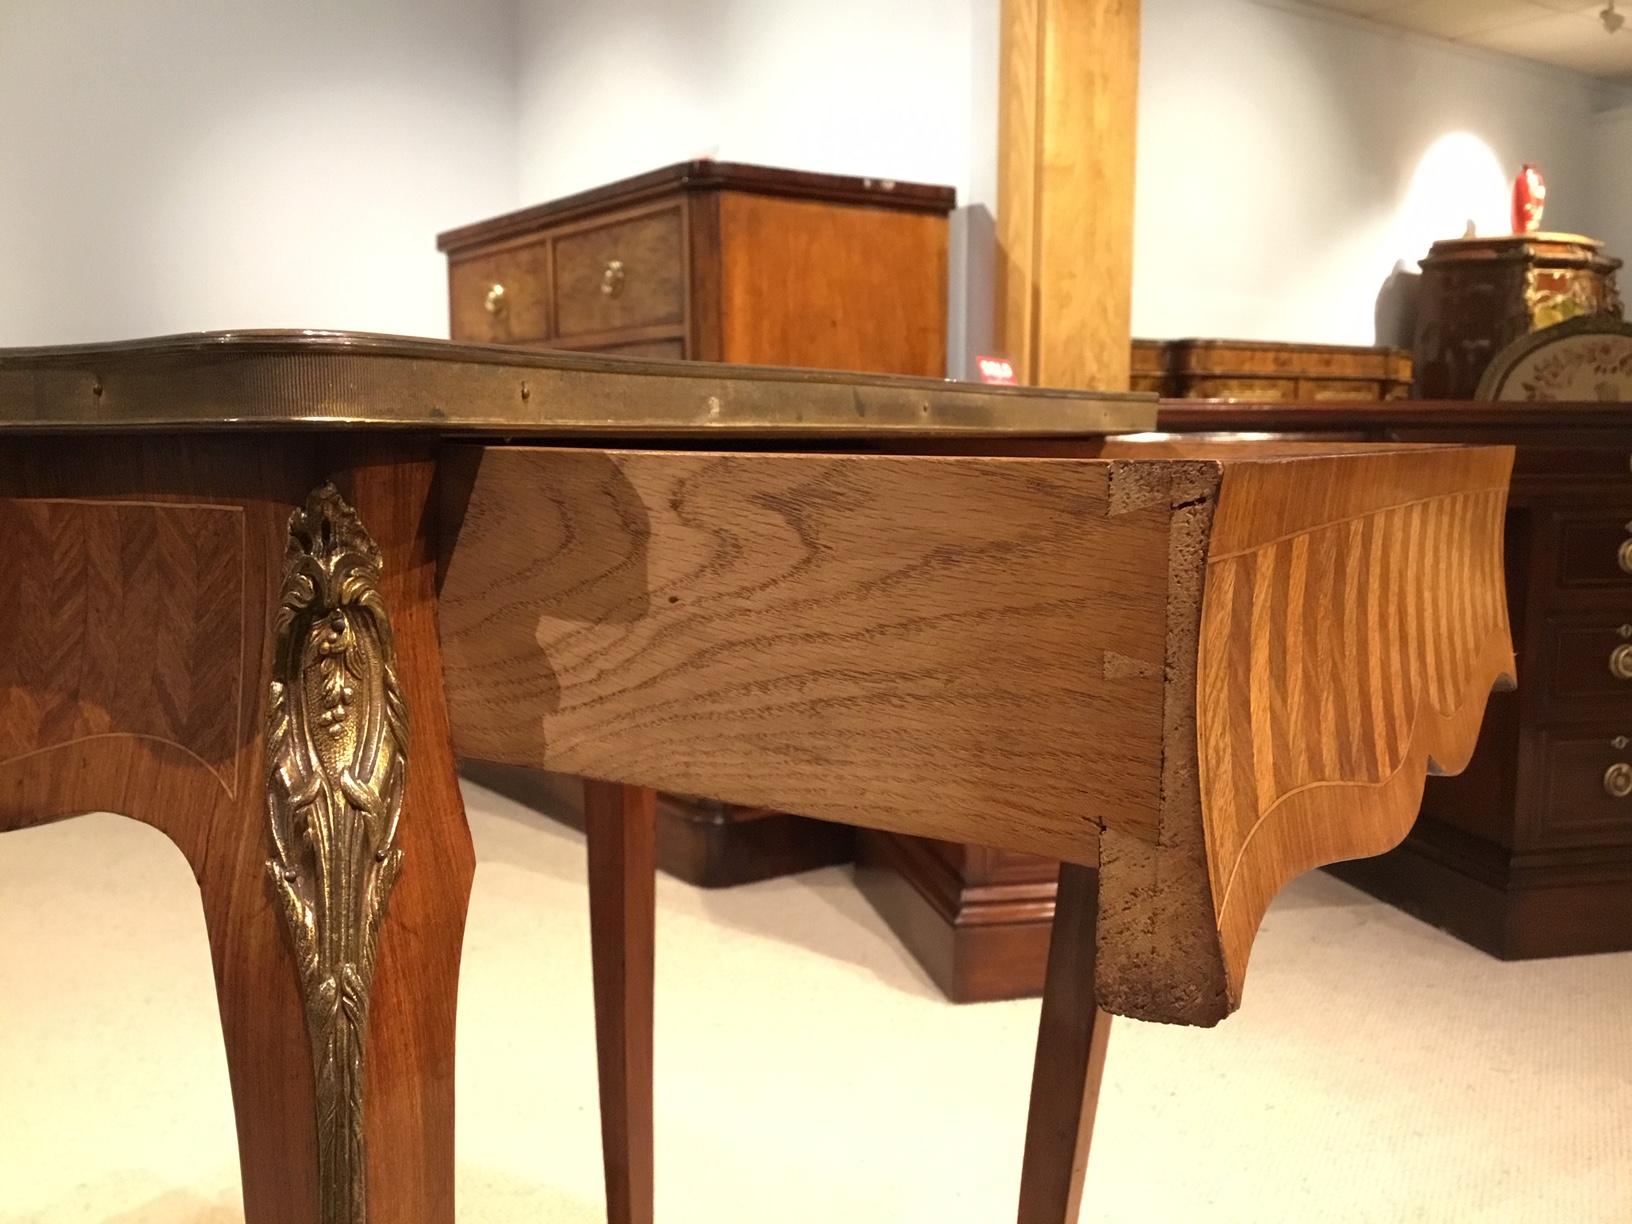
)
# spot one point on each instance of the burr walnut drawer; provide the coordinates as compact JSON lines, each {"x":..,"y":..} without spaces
{"x":1594,"y":552}
{"x":624,"y":274}
{"x":502,"y":297}
{"x":1586,"y":785}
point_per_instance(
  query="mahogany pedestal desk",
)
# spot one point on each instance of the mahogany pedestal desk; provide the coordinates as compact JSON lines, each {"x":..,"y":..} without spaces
{"x":1188,"y":672}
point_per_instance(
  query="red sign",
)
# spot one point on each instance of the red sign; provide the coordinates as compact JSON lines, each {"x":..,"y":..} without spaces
{"x":999,"y":370}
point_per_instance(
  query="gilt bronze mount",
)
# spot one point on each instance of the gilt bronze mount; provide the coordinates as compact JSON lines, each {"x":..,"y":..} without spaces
{"x":337,"y":760}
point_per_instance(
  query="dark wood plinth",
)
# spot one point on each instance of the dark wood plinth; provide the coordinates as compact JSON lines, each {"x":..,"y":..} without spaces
{"x":976,"y":919}
{"x":1516,"y":908}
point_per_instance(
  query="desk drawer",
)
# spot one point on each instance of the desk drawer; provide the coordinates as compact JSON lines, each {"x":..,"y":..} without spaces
{"x":1586,"y":786}
{"x":628,"y":273}
{"x":1589,"y":658}
{"x":501,"y":298}
{"x":1594,"y":552}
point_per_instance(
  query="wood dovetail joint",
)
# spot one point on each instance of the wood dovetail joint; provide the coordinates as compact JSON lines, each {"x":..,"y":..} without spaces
{"x":337,"y":759}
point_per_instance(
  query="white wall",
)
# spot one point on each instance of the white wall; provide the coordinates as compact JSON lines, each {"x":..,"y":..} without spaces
{"x":1612,"y":184}
{"x":903,"y":89}
{"x":1288,"y":159}
{"x":867,"y":87}
{"x":167,"y":165}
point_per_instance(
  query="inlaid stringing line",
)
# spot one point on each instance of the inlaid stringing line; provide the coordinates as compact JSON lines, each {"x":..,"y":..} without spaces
{"x":1263,"y":751}
{"x":1355,"y":730}
{"x":1442,"y":617}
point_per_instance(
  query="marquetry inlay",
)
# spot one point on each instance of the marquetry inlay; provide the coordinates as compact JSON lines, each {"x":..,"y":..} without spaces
{"x":124,"y":620}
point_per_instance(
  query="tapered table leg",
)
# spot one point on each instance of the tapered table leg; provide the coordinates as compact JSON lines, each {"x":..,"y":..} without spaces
{"x":1071,"y":1039}
{"x":620,"y":827}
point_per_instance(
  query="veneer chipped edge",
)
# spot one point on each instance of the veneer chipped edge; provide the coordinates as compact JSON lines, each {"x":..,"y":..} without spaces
{"x":1159,"y":956}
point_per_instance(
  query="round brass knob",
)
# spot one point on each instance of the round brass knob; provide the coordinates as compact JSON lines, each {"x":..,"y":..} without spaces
{"x":1620,"y":661}
{"x":612,"y":285}
{"x":1623,"y":555}
{"x":1618,"y":780}
{"x":495,"y":304}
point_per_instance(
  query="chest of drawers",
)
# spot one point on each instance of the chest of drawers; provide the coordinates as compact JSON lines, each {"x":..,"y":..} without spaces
{"x":716,"y":262}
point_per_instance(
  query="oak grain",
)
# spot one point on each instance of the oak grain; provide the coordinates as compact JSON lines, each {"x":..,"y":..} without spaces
{"x":955,"y":648}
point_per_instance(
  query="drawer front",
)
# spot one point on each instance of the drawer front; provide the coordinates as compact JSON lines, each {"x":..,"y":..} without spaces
{"x":1590,"y":659}
{"x":1595,"y":553}
{"x":628,"y":273}
{"x":1586,"y":786}
{"x":501,"y":298}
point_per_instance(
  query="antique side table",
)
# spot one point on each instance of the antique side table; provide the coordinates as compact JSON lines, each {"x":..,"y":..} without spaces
{"x":1187,"y":672}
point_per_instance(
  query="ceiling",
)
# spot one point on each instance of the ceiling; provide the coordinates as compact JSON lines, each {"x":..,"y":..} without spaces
{"x":1567,"y":33}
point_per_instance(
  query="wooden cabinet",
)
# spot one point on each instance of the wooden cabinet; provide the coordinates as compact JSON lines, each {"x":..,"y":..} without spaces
{"x":1529,"y":851}
{"x":1263,"y":371}
{"x":1479,"y":295}
{"x":715,"y":262}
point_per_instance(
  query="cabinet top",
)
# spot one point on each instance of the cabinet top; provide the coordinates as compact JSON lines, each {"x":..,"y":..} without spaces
{"x":706,"y":175}
{"x":1541,"y":247}
{"x":345,"y":380}
{"x":1472,"y":421}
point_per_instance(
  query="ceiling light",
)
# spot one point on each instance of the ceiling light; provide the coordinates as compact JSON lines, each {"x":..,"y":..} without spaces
{"x":1612,"y":20}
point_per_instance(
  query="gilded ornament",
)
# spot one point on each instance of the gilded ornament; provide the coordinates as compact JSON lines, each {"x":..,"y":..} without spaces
{"x":336,"y":746}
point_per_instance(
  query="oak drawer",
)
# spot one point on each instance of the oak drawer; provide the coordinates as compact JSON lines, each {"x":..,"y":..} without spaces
{"x":627,"y":273}
{"x":503,"y":297}
{"x":1584,"y":778}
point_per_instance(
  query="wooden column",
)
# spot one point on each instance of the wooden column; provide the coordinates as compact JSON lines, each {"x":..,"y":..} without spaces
{"x":1068,"y":87}
{"x":1068,"y":93}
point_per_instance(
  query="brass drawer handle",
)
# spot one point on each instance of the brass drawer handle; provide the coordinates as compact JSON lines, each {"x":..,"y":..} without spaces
{"x":1623,"y":555}
{"x":495,"y":302}
{"x":1620,"y":661}
{"x":1618,"y":780}
{"x":612,"y":285}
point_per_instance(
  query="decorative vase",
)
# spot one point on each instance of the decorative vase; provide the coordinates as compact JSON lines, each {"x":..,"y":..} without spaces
{"x":1529,"y":199}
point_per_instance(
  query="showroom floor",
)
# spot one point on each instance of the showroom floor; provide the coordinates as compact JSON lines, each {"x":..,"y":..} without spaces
{"x":807,"y":1071}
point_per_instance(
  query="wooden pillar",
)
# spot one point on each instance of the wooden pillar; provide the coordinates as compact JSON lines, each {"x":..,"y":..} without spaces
{"x":1067,"y":106}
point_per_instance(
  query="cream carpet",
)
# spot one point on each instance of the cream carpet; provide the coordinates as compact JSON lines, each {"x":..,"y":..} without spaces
{"x":807,"y":1071}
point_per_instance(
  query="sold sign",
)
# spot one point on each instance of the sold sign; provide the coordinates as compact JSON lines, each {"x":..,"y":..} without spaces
{"x":999,"y":370}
